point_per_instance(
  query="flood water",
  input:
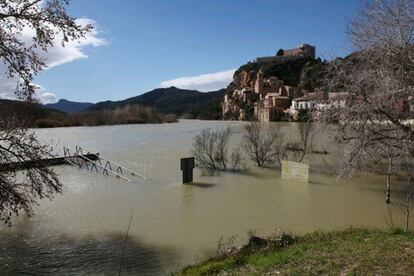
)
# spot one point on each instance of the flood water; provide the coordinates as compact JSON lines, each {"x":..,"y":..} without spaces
{"x":173,"y":225}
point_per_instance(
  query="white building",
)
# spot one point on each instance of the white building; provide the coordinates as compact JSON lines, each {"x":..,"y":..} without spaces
{"x":310,"y":101}
{"x":301,"y":103}
{"x":315,"y":102}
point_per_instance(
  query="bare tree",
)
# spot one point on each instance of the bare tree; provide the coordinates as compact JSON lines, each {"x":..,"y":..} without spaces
{"x":225,"y":246}
{"x":50,"y":24}
{"x":262,"y":146}
{"x":19,"y":189}
{"x":297,"y":151}
{"x":237,"y":159}
{"x":405,"y":202}
{"x":49,"y":21}
{"x":204,"y":148}
{"x":210,"y":148}
{"x":379,"y":79}
{"x":385,"y":159}
{"x":223,"y":137}
{"x":409,"y":191}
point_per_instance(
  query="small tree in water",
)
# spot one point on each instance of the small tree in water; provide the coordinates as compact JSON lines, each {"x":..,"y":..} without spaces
{"x":20,"y":190}
{"x":296,"y":151}
{"x":210,"y":148}
{"x":263,"y":146}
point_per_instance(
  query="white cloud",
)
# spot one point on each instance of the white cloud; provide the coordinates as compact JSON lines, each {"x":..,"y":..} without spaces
{"x":55,"y":56}
{"x":47,"y":98}
{"x":73,"y":50}
{"x":43,"y":96}
{"x":204,"y":82}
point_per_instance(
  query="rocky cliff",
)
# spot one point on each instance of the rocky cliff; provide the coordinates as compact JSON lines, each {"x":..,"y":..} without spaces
{"x":304,"y":74}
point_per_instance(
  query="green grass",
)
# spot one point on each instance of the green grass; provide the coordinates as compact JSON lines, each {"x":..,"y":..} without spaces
{"x":349,"y":252}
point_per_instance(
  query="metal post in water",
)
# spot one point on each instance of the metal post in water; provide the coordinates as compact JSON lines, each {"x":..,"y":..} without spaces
{"x":187,"y":166}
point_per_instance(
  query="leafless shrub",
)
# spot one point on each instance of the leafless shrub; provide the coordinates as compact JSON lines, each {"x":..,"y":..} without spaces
{"x":210,"y":148}
{"x":225,"y":247}
{"x":221,"y":151}
{"x":296,"y":151}
{"x":237,"y":159}
{"x":204,"y":149}
{"x":262,"y":146}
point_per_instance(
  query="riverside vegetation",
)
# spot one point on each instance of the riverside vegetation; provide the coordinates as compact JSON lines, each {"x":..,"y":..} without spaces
{"x":129,"y":114}
{"x":265,"y":147}
{"x":350,"y":252}
{"x":34,"y":115}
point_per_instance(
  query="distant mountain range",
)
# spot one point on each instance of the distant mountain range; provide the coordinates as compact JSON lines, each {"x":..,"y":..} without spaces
{"x":69,"y":107}
{"x":171,"y":100}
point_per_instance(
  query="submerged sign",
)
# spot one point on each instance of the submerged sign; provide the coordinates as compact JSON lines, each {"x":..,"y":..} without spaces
{"x":187,"y":166}
{"x":295,"y":170}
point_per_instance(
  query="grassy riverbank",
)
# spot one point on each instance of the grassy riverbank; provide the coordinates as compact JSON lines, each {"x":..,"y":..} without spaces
{"x":349,"y":252}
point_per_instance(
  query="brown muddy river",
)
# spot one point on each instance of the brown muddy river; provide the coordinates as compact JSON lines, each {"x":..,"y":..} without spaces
{"x":173,"y":225}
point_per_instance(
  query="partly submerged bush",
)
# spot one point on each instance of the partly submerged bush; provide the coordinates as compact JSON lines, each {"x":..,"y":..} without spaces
{"x":263,"y":146}
{"x":211,"y":150}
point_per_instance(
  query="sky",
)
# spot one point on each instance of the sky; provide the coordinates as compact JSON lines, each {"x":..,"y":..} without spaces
{"x":139,"y":45}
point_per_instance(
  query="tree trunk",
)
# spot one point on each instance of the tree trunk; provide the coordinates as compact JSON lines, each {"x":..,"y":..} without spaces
{"x":407,"y":206}
{"x":407,"y":212}
{"x":388,"y":189}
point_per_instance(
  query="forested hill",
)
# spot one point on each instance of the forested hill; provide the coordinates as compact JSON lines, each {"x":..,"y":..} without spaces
{"x":27,"y":113}
{"x":173,"y":100}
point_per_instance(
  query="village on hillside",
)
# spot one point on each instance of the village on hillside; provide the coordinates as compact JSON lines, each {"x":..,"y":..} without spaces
{"x":273,"y":100}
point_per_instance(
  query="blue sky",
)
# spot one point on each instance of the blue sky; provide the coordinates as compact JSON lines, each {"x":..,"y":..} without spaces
{"x":153,"y":41}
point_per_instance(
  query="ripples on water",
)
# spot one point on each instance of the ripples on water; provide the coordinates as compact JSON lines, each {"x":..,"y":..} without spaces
{"x":82,"y":231}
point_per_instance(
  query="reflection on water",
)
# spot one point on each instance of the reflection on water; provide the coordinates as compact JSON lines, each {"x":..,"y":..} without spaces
{"x":63,"y":254}
{"x":82,"y":231}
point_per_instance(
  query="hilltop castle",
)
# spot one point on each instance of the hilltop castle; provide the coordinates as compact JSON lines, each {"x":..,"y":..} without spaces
{"x":303,"y":51}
